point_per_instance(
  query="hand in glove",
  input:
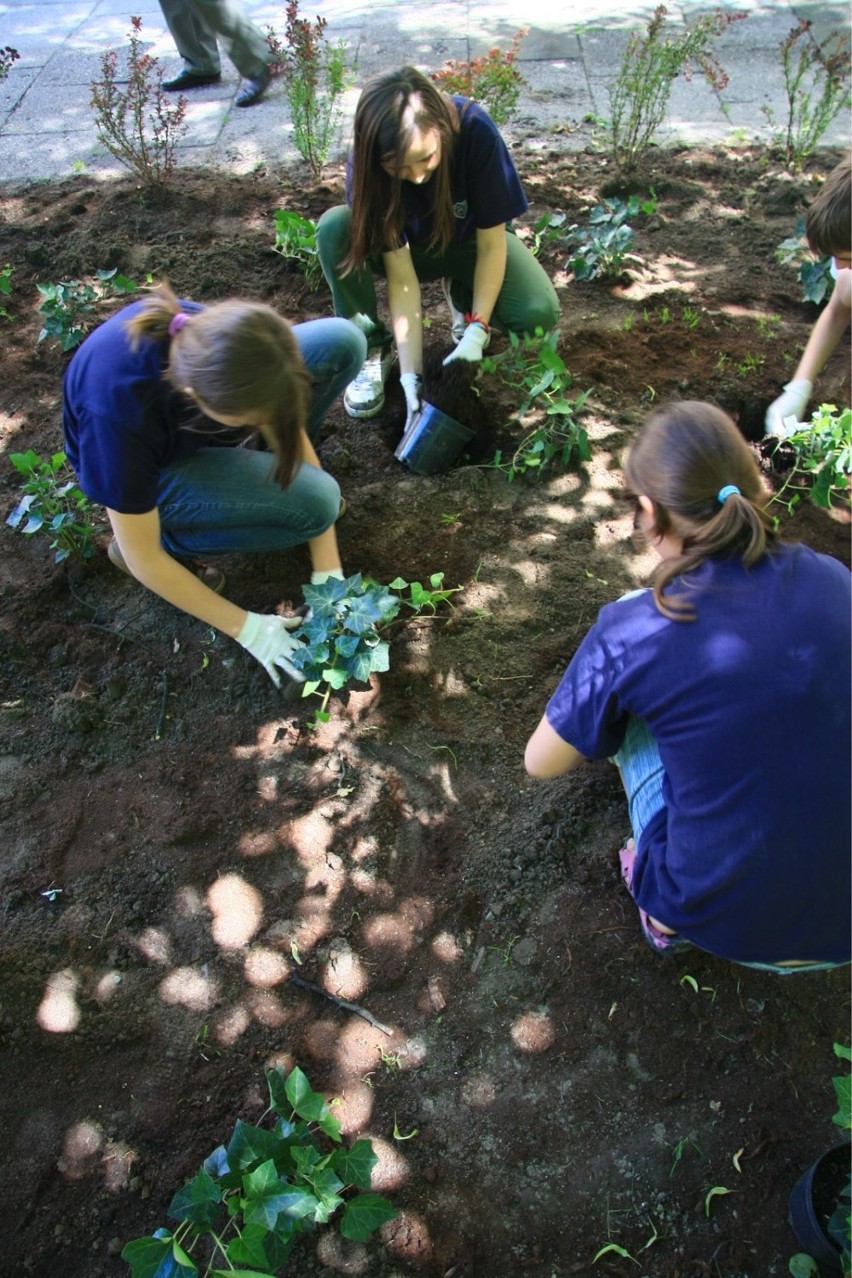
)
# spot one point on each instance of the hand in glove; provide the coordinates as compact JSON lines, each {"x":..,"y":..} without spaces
{"x":269,"y":641}
{"x":411,"y":384}
{"x":320,"y":576}
{"x":472,"y":344}
{"x":792,"y":403}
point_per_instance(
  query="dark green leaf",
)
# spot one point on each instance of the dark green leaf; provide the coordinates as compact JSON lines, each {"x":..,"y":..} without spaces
{"x":198,"y":1201}
{"x":249,"y":1145}
{"x":355,"y":1165}
{"x":365,"y":1213}
{"x":307,"y":1103}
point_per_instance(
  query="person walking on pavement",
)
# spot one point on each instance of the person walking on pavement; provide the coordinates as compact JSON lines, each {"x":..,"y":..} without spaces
{"x":197,"y":26}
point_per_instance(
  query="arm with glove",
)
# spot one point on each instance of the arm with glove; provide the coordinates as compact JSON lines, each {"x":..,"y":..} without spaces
{"x":489,"y":273}
{"x":825,"y":335}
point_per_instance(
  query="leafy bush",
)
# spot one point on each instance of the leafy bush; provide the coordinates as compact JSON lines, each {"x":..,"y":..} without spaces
{"x":494,"y":79}
{"x":639,"y":97}
{"x":264,"y":1189}
{"x":547,"y":416}
{"x":822,"y":454}
{"x":341,"y":636}
{"x":66,"y":305}
{"x":315,"y":79}
{"x":53,"y":504}
{"x":138,"y":123}
{"x":814,"y":273}
{"x":602,"y":248}
{"x":296,"y":240}
{"x":816,"y":79}
{"x":8,"y":55}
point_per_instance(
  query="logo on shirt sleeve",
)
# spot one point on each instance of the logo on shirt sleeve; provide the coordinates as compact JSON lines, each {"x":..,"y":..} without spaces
{"x":460,"y":209}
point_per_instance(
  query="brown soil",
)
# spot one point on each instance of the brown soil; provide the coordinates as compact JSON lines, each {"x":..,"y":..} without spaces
{"x":172,"y":828}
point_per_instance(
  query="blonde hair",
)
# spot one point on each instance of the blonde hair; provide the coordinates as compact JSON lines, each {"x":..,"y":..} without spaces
{"x":234,"y":357}
{"x":685,"y":455}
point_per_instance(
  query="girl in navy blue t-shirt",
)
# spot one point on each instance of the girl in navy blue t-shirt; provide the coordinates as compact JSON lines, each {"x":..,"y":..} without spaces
{"x":156,"y":402}
{"x":723,"y":696}
{"x":431,"y":189}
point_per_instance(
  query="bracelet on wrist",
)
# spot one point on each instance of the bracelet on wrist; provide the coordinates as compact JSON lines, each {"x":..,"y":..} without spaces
{"x":472,"y":318}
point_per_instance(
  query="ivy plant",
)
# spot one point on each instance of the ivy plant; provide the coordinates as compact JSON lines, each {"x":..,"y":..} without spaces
{"x":243,"y":1210}
{"x":822,"y":455}
{"x":54,"y":505}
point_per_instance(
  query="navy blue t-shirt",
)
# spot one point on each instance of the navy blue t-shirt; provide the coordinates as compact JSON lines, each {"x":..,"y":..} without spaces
{"x":486,"y":189}
{"x":750,"y":707}
{"x":123,"y":422}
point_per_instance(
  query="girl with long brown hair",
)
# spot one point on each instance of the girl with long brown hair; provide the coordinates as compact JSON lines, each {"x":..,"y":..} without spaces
{"x":159,"y":404}
{"x":722,"y":694}
{"x":431,"y":192}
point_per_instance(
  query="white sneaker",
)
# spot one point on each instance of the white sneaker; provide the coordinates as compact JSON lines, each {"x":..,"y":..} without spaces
{"x":366,"y":395}
{"x":459,"y":322}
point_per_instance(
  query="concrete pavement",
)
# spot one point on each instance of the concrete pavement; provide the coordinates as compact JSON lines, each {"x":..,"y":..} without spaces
{"x":47,"y":128}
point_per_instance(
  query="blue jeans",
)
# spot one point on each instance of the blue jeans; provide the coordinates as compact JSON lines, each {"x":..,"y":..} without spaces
{"x":226,"y":499}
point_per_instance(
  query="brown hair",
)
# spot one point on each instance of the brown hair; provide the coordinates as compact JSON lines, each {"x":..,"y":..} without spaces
{"x":391,"y":107}
{"x":829,"y":219}
{"x":682,"y":459}
{"x":234,"y":357}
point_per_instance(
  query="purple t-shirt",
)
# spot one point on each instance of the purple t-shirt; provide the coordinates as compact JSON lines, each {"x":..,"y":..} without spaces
{"x":750,"y":707}
{"x":486,"y":189}
{"x":123,"y":422}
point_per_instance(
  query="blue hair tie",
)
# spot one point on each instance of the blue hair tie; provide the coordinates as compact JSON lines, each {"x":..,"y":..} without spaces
{"x":728,"y":491}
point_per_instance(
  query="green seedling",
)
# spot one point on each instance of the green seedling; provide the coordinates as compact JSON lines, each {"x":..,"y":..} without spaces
{"x":494,"y":79}
{"x":296,"y":240}
{"x":392,"y":1061}
{"x":665,"y":315}
{"x":245,"y":1207}
{"x":722,"y":361}
{"x":505,"y":951}
{"x":449,"y":751}
{"x":691,"y":318}
{"x":767,"y":325}
{"x":750,"y":363}
{"x":6,"y":288}
{"x":601,"y":249}
{"x":398,"y":1134}
{"x":547,"y":231}
{"x":822,"y":456}
{"x":450,"y":519}
{"x":67,"y":307}
{"x":685,"y":1143}
{"x":627,"y":324}
{"x":54,"y":505}
{"x":341,"y":640}
{"x":614,"y":1249}
{"x":718,"y":1191}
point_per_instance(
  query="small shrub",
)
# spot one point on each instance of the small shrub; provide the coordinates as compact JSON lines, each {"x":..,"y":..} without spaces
{"x":821,"y":452}
{"x":6,"y":287}
{"x":296,"y":240}
{"x":66,"y":306}
{"x":601,"y":249}
{"x":639,"y":97}
{"x":8,"y":56}
{"x":816,"y":79}
{"x":814,"y":273}
{"x":139,"y":124}
{"x":249,"y":1201}
{"x":53,"y":504}
{"x":494,"y":80}
{"x":547,"y":416}
{"x":315,"y":79}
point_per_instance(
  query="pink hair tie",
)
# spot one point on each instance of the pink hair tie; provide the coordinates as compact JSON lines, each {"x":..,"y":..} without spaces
{"x":176,"y":323}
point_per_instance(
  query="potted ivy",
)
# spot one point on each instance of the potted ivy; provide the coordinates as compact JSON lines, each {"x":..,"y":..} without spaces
{"x":820,"y":1205}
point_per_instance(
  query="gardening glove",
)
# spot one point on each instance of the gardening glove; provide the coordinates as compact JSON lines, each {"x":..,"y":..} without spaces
{"x":792,"y":403}
{"x":411,"y":384}
{"x":320,"y":576}
{"x":269,"y":641}
{"x":472,"y":344}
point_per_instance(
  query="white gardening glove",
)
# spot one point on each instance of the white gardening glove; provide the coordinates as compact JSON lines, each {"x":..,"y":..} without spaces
{"x":792,"y":403}
{"x":320,"y":576}
{"x":269,"y":641}
{"x":411,"y":384}
{"x":471,"y":346}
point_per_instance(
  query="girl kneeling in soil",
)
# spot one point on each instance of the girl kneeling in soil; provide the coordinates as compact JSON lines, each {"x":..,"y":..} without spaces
{"x":723,"y":695}
{"x":156,"y":405}
{"x":431,"y":189}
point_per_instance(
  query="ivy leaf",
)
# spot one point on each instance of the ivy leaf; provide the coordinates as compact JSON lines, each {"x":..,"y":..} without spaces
{"x":307,"y":1103}
{"x":262,"y":1248}
{"x":355,"y":1165}
{"x":346,"y":645}
{"x":335,"y":676}
{"x":250,"y":1145}
{"x":216,"y":1164}
{"x":158,"y":1257}
{"x":268,"y":1196}
{"x":365,"y":611}
{"x":364,"y":1214}
{"x":368,"y":660}
{"x":198,"y":1201}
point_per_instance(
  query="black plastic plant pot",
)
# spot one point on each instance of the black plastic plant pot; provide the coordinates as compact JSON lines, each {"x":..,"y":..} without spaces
{"x":812,"y":1201}
{"x":432,"y":442}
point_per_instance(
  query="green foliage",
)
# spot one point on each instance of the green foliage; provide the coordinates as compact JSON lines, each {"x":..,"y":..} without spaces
{"x":494,"y":80}
{"x":839,"y":1228}
{"x":551,"y":433}
{"x":843,"y":1091}
{"x":547,"y":229}
{"x":814,"y":273}
{"x":802,"y":1266}
{"x":136,"y":121}
{"x":66,"y":306}
{"x":8,"y":55}
{"x":822,"y":454}
{"x":296,"y":239}
{"x":601,"y":248}
{"x":639,"y":97}
{"x":816,"y":80}
{"x":5,"y":287}
{"x":341,"y":639}
{"x":315,"y":79}
{"x":265,"y":1188}
{"x":54,"y":505}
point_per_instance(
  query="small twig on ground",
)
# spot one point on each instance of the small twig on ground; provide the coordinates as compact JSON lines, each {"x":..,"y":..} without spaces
{"x":345,"y":1003}
{"x":161,"y":722}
